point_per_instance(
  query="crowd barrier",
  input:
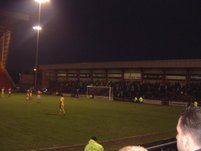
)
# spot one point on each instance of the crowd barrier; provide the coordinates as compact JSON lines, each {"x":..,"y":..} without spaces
{"x":162,"y":145}
{"x":170,"y":103}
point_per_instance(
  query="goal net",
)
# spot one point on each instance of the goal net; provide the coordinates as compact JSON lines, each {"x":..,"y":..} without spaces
{"x":99,"y":91}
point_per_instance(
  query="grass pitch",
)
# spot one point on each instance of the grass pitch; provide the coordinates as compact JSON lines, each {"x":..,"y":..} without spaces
{"x":27,"y":125}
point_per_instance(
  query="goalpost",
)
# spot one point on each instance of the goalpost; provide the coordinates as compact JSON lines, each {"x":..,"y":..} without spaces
{"x":99,"y":91}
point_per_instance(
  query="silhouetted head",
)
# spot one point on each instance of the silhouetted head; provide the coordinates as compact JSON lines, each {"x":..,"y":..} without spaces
{"x":94,"y":138}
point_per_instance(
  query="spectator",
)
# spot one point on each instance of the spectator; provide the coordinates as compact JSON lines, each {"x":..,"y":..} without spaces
{"x":133,"y":148}
{"x":189,"y":130}
{"x":93,"y":145}
{"x":195,"y":103}
{"x":135,"y":99}
{"x":141,"y":99}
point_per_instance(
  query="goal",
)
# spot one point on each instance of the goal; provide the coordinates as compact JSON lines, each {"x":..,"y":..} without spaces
{"x":99,"y":91}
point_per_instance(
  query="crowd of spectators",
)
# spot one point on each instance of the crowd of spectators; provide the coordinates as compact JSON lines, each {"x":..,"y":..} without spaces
{"x":127,"y":90}
{"x":157,"y":91}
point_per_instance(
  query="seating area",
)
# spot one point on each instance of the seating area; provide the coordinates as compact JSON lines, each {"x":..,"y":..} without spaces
{"x":127,"y":90}
{"x":157,"y":91}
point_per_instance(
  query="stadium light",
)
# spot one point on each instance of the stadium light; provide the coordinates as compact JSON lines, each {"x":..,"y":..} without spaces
{"x":42,"y":1}
{"x":38,"y":28}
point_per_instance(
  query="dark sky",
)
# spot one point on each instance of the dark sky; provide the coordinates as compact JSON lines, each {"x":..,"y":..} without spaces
{"x":106,"y":30}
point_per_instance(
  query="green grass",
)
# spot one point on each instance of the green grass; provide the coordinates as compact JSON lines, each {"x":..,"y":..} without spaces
{"x":31,"y":125}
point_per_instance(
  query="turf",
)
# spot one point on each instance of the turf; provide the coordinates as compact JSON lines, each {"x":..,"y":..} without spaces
{"x":27,"y":125}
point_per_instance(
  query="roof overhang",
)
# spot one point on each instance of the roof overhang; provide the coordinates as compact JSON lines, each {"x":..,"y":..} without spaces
{"x":182,"y":63}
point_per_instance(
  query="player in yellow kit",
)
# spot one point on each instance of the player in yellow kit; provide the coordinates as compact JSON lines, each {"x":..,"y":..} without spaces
{"x":61,"y":106}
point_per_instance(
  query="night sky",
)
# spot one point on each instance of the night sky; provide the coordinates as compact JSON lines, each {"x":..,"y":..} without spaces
{"x":106,"y":30}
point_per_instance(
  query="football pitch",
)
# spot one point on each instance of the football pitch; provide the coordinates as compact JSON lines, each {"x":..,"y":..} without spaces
{"x":35,"y":124}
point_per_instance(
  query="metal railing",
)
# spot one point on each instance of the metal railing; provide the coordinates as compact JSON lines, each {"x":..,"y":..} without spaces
{"x":168,"y":144}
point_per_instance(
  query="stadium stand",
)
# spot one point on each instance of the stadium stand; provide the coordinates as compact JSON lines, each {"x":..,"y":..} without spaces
{"x":5,"y":79}
{"x":127,"y":90}
{"x":8,"y":22}
{"x":164,"y":80}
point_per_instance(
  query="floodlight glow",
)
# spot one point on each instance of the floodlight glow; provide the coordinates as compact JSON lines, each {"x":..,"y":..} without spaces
{"x":37,"y":27}
{"x":42,"y":1}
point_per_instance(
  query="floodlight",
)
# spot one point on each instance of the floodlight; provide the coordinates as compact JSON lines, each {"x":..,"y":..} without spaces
{"x":37,"y":28}
{"x":42,"y":1}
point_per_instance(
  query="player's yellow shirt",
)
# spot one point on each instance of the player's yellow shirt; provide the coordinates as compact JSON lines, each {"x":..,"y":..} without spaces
{"x":61,"y":102}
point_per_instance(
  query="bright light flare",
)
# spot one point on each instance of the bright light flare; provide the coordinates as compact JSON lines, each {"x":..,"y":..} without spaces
{"x":38,"y":28}
{"x":42,"y":1}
